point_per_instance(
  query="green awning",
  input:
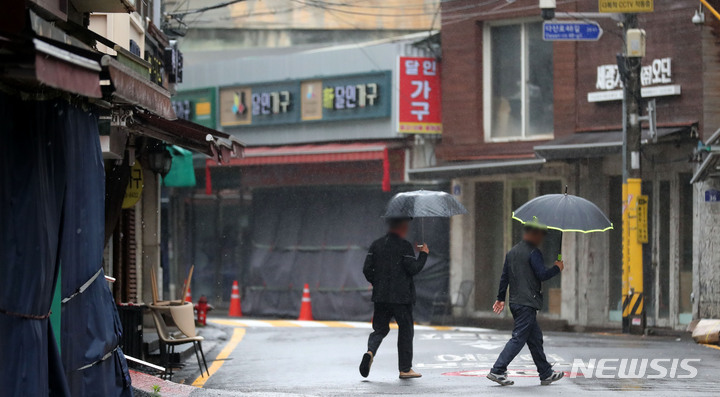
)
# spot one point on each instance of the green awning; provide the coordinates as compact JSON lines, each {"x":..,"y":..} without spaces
{"x":182,"y":172}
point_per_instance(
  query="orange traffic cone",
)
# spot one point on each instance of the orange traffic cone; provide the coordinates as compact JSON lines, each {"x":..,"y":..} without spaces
{"x":306,"y":305}
{"x":188,"y":295}
{"x":235,"y":308}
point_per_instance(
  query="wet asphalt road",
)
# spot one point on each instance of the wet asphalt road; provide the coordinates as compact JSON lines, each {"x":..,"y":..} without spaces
{"x":323,"y":361}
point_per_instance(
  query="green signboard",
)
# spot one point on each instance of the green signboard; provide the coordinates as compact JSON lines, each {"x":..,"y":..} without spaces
{"x":311,"y":100}
{"x":353,"y":97}
{"x":259,"y":104}
{"x":198,"y":106}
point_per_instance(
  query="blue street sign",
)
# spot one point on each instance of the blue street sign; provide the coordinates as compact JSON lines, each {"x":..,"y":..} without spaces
{"x":571,"y":31}
{"x":712,"y":196}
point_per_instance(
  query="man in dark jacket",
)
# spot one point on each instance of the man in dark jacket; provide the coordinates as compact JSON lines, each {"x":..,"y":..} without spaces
{"x":390,"y":266}
{"x":524,"y":271}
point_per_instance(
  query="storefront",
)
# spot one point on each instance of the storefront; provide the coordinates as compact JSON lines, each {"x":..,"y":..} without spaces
{"x":563,"y":127}
{"x":328,"y":145}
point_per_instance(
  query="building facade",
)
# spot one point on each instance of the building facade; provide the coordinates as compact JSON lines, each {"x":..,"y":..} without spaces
{"x":524,"y":117}
{"x":328,"y":141}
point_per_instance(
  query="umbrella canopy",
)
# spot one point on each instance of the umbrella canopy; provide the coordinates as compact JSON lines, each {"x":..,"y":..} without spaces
{"x":423,"y":204}
{"x":563,"y":212}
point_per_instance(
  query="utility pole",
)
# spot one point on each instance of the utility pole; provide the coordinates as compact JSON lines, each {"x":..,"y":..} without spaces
{"x":629,"y":65}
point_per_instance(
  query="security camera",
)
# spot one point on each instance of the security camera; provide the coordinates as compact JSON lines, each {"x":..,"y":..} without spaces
{"x":547,"y":9}
{"x":699,"y":18}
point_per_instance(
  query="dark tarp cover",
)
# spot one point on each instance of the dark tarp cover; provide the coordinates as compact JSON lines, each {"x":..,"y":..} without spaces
{"x":52,"y":207}
{"x":320,"y":236}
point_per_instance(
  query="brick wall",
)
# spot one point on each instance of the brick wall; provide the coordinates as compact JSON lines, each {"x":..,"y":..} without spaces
{"x":670,"y":34}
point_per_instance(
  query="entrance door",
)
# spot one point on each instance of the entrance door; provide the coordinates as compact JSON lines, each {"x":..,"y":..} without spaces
{"x":489,"y":241}
{"x":661,"y":261}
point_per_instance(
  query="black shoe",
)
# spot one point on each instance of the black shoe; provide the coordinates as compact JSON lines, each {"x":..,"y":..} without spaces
{"x":500,"y":379}
{"x":365,"y":364}
{"x":556,"y":376}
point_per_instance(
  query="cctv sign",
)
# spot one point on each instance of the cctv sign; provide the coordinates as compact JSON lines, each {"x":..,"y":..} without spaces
{"x":626,"y":6}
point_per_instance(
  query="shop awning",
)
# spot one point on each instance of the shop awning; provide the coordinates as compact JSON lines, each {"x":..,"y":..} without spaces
{"x":182,"y":172}
{"x":309,"y":154}
{"x":41,"y":63}
{"x":220,"y":146}
{"x":332,"y":163}
{"x":595,"y":144}
{"x":464,"y":169}
{"x":130,"y":88}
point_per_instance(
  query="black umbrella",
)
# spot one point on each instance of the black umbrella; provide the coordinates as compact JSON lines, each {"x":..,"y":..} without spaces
{"x":563,"y":212}
{"x":423,"y":204}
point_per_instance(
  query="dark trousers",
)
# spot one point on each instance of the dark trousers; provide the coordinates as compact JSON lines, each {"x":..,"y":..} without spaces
{"x":527,"y":331}
{"x":384,"y":312}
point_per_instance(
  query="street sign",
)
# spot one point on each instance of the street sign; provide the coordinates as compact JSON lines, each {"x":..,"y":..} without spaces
{"x":642,"y":220}
{"x":712,"y":196}
{"x":571,"y":31}
{"x":625,"y":6}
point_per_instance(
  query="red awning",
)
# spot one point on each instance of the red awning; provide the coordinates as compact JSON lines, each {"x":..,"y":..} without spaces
{"x":267,"y":165}
{"x":311,"y":154}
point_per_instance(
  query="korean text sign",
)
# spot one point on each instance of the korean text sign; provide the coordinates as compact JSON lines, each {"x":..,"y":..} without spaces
{"x":419,"y":97}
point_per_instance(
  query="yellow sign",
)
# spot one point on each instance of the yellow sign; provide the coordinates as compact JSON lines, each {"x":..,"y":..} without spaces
{"x":626,"y":6}
{"x":642,"y":220}
{"x":203,"y":108}
{"x":134,"y":187}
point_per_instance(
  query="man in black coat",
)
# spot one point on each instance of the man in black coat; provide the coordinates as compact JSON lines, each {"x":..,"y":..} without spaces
{"x":524,"y":271}
{"x":390,"y":266}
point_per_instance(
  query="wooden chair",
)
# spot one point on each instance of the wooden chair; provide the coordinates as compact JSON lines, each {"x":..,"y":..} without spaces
{"x":184,"y":318}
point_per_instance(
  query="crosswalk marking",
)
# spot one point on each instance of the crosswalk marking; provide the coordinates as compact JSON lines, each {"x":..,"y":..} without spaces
{"x":248,"y":323}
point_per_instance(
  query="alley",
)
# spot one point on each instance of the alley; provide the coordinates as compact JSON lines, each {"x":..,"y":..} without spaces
{"x":316,"y":358}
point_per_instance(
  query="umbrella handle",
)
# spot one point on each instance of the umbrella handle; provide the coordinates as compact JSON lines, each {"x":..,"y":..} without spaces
{"x":422,"y":232}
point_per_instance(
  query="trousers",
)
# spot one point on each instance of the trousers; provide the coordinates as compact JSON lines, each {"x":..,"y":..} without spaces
{"x":402,"y":313}
{"x":527,"y":331}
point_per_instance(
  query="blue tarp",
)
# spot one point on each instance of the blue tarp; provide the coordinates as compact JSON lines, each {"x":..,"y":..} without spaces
{"x":52,"y":215}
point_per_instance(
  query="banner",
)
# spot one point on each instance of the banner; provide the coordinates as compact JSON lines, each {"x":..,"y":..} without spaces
{"x":419,"y":98}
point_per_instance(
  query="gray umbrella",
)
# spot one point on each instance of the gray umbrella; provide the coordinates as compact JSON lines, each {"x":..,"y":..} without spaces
{"x":423,"y":204}
{"x":563,"y":212}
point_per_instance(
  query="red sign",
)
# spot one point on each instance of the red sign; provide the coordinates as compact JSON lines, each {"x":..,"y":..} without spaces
{"x":420,"y":109}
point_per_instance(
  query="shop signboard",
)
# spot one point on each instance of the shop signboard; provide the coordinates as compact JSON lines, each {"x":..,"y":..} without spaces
{"x":356,"y":97}
{"x":298,"y":101}
{"x":419,"y":107}
{"x":261,"y":104}
{"x":134,"y":189}
{"x":197,"y":106}
{"x":656,"y":79}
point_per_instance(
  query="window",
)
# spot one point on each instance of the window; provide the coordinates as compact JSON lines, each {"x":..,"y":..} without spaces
{"x":518,"y":68}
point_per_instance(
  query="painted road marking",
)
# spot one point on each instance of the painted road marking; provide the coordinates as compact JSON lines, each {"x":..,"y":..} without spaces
{"x":236,"y":337}
{"x":711,"y":346}
{"x":510,"y":373}
{"x":247,"y":323}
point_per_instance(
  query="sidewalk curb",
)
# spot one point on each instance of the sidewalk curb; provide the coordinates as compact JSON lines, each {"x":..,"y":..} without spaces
{"x":142,"y":385}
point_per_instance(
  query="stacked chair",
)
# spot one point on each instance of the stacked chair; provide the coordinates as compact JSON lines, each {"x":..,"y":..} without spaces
{"x":182,"y":315}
